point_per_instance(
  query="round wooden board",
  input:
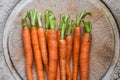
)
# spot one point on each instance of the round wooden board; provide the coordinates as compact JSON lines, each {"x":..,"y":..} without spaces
{"x":105,"y":44}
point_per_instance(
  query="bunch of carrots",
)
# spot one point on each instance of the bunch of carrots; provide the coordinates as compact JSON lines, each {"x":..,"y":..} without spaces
{"x":52,"y":49}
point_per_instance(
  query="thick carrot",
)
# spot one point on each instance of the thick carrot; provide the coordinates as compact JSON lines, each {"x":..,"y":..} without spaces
{"x":36,"y":48}
{"x":53,"y":49}
{"x":76,"y":42}
{"x":42,"y":41}
{"x":69,"y":40}
{"x":28,"y":50}
{"x":85,"y":51}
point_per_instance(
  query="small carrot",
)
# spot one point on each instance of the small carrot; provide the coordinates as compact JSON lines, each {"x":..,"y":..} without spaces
{"x":85,"y":51}
{"x":64,"y":19}
{"x":76,"y":43}
{"x":28,"y":49}
{"x":69,"y":40}
{"x":36,"y":47}
{"x":42,"y":41}
{"x":53,"y":49}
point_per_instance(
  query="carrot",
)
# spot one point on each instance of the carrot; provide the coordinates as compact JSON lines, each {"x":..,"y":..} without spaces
{"x":36,"y":48}
{"x":76,"y":43}
{"x":28,"y":50}
{"x":64,"y":19}
{"x":85,"y":51}
{"x":53,"y":49}
{"x":69,"y":40}
{"x":42,"y":41}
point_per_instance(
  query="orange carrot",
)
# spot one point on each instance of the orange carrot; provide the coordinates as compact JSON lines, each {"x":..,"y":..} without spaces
{"x":85,"y":51}
{"x":69,"y":40}
{"x":64,"y":19}
{"x":53,"y":49}
{"x":28,"y":50}
{"x":36,"y":47}
{"x":42,"y":41}
{"x":76,"y":42}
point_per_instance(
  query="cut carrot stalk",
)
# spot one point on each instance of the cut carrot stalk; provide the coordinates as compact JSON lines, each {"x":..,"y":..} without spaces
{"x":69,"y":40}
{"x":28,"y":49}
{"x":76,"y":42}
{"x":52,"y":48}
{"x":36,"y":47}
{"x":85,"y":51}
{"x":42,"y":41}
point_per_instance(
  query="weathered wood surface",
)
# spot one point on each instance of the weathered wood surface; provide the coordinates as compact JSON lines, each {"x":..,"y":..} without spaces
{"x":4,"y":70}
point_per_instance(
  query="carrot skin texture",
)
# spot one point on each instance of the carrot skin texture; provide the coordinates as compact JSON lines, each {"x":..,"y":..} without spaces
{"x":62,"y":53}
{"x":76,"y":51}
{"x":37,"y":54}
{"x":58,"y":34}
{"x":53,"y":53}
{"x":69,"y":41}
{"x":43,"y":47}
{"x":28,"y":53}
{"x":58,"y":71}
{"x":84,"y":56}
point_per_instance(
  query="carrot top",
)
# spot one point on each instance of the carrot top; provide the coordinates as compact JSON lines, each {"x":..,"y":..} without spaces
{"x":39,"y":19}
{"x":24,"y":22}
{"x":63,"y":25}
{"x":52,"y":22}
{"x":80,"y":16}
{"x":70,"y":27}
{"x":32,"y":17}
{"x":64,"y":19}
{"x":87,"y":25}
{"x":48,"y":13}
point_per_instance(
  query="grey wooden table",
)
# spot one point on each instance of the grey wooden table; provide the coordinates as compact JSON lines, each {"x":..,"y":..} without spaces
{"x":6,"y":6}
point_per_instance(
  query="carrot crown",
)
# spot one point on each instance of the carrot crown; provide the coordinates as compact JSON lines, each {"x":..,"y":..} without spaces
{"x":32,"y":17}
{"x":87,"y":25}
{"x":48,"y":13}
{"x":63,"y":25}
{"x":52,"y":22}
{"x":70,"y":27}
{"x":64,"y":19}
{"x":80,"y":16}
{"x":39,"y":19}
{"x":24,"y":22}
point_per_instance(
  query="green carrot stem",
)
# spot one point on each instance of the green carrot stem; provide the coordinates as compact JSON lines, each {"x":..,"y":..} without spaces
{"x":70,"y":27}
{"x":39,"y":19}
{"x":80,"y":16}
{"x":62,"y":34}
{"x":64,"y":19}
{"x":24,"y":22}
{"x":52,"y":22}
{"x":87,"y":25}
{"x":32,"y":16}
{"x":47,"y":14}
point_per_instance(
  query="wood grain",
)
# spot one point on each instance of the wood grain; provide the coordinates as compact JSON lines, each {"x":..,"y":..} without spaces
{"x":101,"y":55}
